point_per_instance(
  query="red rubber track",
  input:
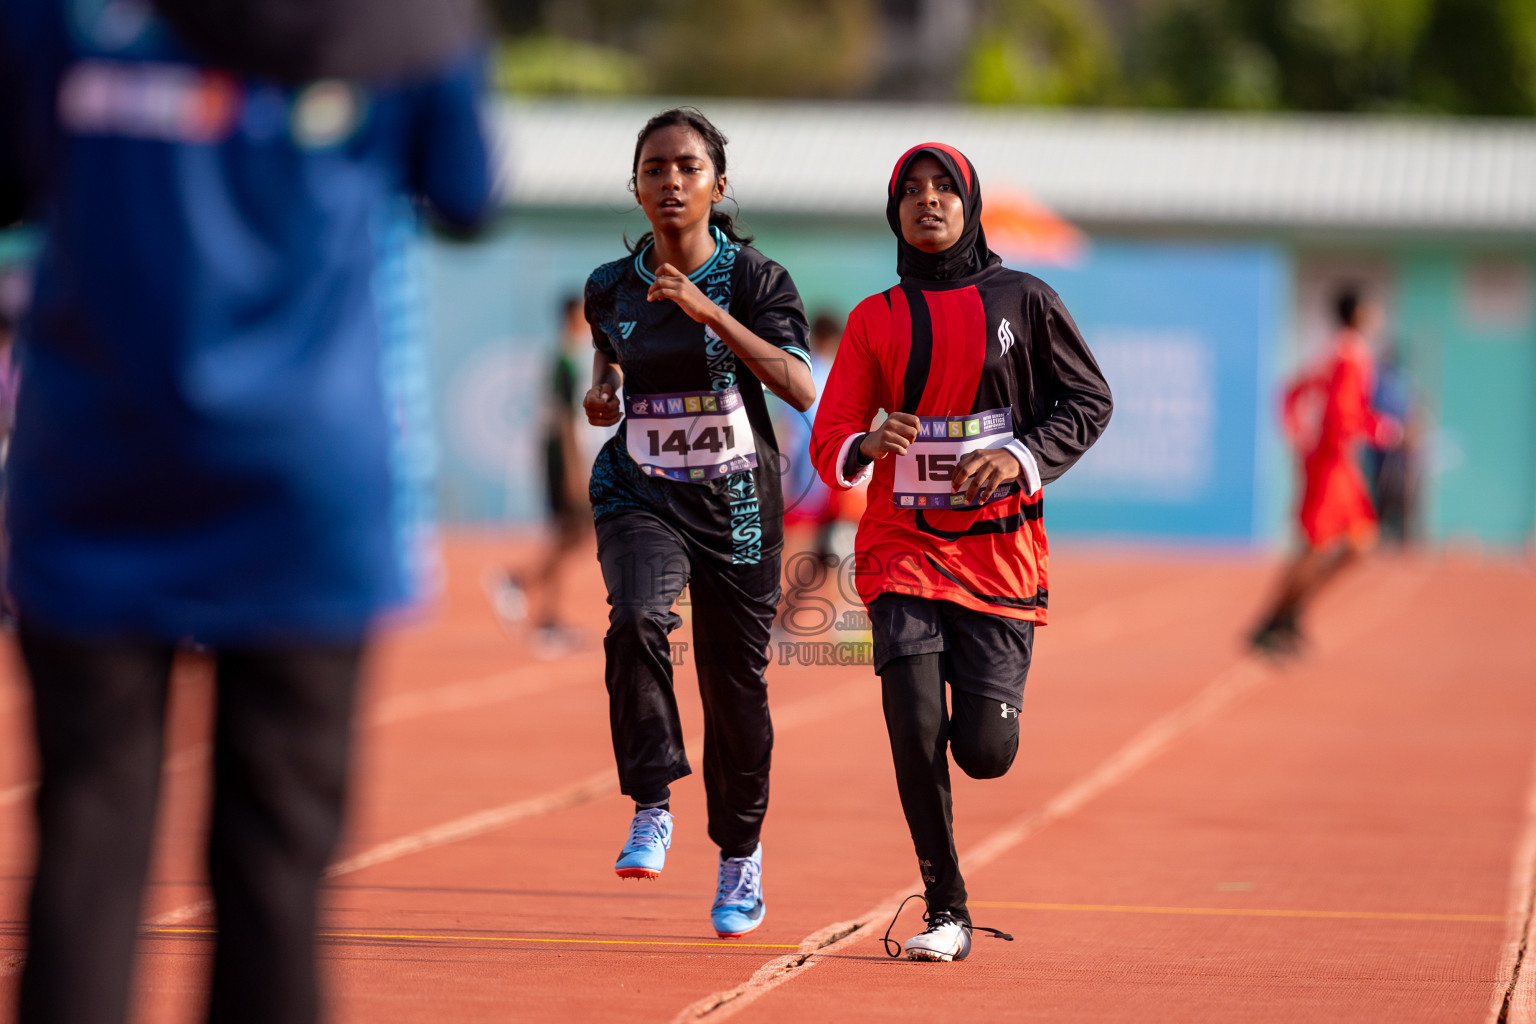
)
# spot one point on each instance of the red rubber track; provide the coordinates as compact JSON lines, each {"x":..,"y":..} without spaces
{"x":1187,"y":835}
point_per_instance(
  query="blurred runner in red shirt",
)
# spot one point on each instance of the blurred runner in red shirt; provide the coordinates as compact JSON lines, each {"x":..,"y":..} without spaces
{"x":1328,"y":414}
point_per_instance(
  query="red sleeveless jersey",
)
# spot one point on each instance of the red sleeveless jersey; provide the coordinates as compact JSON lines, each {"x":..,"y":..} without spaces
{"x":998,"y":339}
{"x":1327,"y":414}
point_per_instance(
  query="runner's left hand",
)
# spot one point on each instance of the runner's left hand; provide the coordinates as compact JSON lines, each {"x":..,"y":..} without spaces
{"x":981,"y":472}
{"x":673,"y":284}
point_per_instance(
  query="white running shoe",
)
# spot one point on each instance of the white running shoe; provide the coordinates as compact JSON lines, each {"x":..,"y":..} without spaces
{"x":946,"y":938}
{"x":551,"y":642}
{"x":508,"y":599}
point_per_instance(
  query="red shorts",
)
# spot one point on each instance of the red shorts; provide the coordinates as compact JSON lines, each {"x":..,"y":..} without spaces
{"x":1335,"y":503}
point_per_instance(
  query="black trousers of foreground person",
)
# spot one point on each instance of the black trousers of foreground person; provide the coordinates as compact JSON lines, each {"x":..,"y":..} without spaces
{"x":646,"y":563}
{"x":981,"y":732}
{"x":281,"y":749}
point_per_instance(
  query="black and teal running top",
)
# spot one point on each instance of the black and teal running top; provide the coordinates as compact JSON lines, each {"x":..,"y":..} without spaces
{"x":662,"y":350}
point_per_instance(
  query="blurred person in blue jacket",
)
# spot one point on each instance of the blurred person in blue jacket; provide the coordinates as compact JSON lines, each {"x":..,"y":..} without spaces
{"x":1392,"y":470}
{"x":204,"y":449}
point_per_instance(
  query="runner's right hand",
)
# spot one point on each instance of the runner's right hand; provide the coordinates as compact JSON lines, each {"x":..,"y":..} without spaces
{"x":602,"y":406}
{"x":891,"y":437}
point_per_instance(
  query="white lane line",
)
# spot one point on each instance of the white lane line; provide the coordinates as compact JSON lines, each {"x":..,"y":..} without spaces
{"x":17,"y":793}
{"x":463,"y":696}
{"x":594,"y":787}
{"x":1514,"y":998}
{"x":1234,"y":682}
{"x":1105,"y":618}
{"x":1227,"y":687}
{"x":401,"y":707}
{"x":605,"y":783}
{"x":506,"y":685}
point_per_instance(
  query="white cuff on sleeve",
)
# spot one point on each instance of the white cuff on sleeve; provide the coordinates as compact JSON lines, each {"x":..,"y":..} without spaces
{"x":842,"y":464}
{"x":1030,"y":480}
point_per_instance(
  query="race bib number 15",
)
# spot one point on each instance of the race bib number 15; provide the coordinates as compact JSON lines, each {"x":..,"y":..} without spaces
{"x":925,"y":474}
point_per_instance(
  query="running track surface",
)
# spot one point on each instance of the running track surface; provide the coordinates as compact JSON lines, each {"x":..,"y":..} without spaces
{"x":1187,"y":835}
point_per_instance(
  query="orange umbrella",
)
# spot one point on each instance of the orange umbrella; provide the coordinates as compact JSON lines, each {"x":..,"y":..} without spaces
{"x":1020,"y":227}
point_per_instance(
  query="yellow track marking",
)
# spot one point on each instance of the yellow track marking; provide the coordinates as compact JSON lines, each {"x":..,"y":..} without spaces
{"x":1335,"y":915}
{"x":426,"y":937}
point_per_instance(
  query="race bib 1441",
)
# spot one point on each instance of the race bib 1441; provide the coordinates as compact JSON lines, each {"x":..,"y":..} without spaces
{"x":690,"y":436}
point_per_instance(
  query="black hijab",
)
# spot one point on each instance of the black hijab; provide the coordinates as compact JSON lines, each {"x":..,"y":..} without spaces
{"x":969,"y":254}
{"x":302,"y":40}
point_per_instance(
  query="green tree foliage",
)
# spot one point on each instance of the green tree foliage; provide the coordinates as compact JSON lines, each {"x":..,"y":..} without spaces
{"x":1052,"y":52}
{"x":1189,"y":55}
{"x":1478,"y":57}
{"x":1460,"y":56}
{"x":1453,"y":56}
{"x":765,"y":47}
{"x":802,"y":48}
{"x":551,"y":65}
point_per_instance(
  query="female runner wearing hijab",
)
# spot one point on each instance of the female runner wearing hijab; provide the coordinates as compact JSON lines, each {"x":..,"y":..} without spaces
{"x":991,"y":393}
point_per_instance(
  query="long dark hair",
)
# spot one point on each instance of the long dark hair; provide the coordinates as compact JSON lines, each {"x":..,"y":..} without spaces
{"x":714,"y":147}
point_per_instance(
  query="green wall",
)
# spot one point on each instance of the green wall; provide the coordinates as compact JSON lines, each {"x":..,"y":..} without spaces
{"x":1479,"y":381}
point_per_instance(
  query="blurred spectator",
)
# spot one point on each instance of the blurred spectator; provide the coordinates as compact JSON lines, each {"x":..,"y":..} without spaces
{"x":808,"y":501}
{"x":566,"y":473}
{"x":836,"y":509}
{"x":1392,"y":469}
{"x":202,"y":450}
{"x":10,"y":379}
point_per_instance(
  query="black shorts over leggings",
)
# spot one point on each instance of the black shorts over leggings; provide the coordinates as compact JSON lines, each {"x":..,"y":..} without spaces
{"x":985,"y":655}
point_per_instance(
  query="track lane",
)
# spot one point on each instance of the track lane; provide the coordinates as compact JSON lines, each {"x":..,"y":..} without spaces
{"x":1354,"y":818}
{"x":539,"y":876}
{"x":1109,"y":611}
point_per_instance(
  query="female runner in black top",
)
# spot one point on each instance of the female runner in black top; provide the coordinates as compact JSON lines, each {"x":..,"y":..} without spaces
{"x":694,"y":324}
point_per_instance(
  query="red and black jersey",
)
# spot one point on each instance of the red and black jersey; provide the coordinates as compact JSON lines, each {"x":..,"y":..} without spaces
{"x":995,"y":339}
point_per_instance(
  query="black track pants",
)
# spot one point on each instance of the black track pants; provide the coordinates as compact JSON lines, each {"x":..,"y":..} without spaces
{"x":646,"y":564}
{"x":280,"y":768}
{"x":983,"y":735}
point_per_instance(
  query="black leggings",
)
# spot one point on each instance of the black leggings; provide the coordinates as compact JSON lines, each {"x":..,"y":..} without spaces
{"x":983,"y":735}
{"x":280,"y":767}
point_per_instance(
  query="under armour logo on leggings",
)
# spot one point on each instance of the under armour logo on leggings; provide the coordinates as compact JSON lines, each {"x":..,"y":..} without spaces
{"x":1009,"y":709}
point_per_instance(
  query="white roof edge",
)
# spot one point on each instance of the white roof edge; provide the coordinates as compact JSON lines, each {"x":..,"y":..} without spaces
{"x":1136,"y":168}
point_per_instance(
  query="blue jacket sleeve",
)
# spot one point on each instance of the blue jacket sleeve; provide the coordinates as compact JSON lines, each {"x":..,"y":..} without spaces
{"x":452,"y":161}
{"x":12,"y":190}
{"x":32,"y":54}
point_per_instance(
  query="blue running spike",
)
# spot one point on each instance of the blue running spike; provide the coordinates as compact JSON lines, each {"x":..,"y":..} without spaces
{"x":645,"y":852}
{"x":739,"y":906}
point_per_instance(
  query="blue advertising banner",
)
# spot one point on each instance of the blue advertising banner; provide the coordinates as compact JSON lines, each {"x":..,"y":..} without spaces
{"x":1185,"y":336}
{"x":1184,"y":333}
